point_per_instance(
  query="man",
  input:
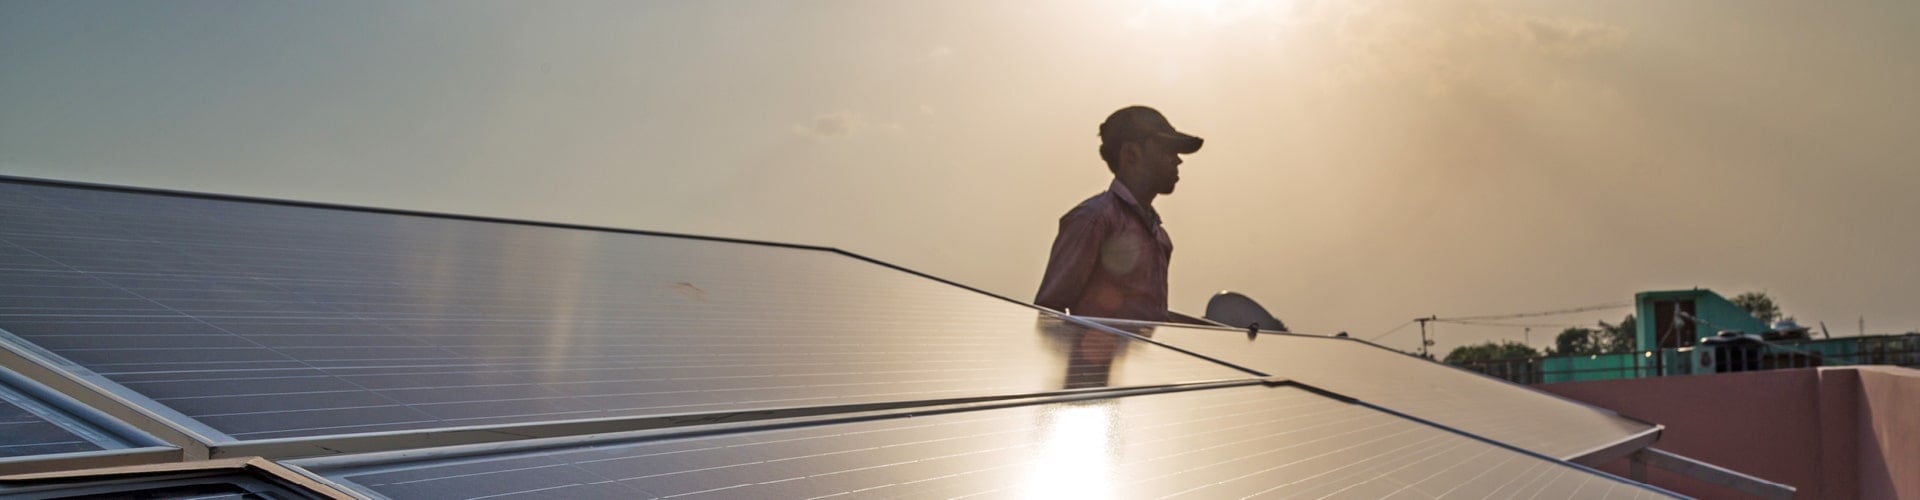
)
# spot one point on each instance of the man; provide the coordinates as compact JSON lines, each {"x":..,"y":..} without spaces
{"x":1110,"y":258}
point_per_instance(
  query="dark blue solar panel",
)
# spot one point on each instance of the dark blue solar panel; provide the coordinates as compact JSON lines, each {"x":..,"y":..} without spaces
{"x":253,"y":320}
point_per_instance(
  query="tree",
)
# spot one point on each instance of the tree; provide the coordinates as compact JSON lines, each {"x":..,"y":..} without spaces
{"x":1619,"y":337}
{"x":1575,"y":341}
{"x":1759,"y":305}
{"x":1505,"y":349}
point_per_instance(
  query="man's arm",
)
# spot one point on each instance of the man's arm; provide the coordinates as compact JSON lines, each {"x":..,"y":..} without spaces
{"x":1075,"y":251}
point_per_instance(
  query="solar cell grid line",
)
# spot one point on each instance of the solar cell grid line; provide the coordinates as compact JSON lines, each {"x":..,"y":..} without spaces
{"x":1484,"y":406}
{"x":259,"y":321}
{"x":1249,"y":441}
{"x":195,"y":427}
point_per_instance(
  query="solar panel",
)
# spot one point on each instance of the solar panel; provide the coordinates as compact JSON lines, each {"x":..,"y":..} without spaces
{"x":27,"y":428}
{"x":248,"y":321}
{"x":1247,"y":441}
{"x":1464,"y":400}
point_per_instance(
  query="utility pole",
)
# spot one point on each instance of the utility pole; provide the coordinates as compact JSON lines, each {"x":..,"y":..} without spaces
{"x":1424,"y":341}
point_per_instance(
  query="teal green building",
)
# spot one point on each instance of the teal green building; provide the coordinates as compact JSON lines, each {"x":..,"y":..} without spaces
{"x":1680,"y":318}
{"x":1671,"y":323}
{"x":1665,"y":322}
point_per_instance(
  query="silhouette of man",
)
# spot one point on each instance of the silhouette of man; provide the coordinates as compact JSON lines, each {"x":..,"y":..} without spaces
{"x":1110,"y":258}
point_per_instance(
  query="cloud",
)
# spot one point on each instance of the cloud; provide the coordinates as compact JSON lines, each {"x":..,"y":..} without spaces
{"x":1441,"y":46}
{"x":831,"y":125}
{"x":1570,"y":36}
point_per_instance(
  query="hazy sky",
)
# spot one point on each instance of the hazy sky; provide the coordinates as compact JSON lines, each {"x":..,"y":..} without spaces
{"x":1366,"y":162}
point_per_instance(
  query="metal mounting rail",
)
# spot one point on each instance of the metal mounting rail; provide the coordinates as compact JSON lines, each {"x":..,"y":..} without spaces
{"x":1707,"y":472}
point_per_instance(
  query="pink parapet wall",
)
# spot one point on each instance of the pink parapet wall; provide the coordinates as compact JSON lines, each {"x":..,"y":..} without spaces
{"x":1848,"y":432}
{"x":1889,"y":432}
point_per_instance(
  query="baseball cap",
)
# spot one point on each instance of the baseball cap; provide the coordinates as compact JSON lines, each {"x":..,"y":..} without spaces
{"x":1141,"y":123}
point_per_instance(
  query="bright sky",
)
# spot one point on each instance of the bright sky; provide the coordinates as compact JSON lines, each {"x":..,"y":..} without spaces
{"x":1366,"y":162}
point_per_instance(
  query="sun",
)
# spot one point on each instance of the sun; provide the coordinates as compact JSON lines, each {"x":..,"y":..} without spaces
{"x":1207,"y":7}
{"x":1217,"y":12}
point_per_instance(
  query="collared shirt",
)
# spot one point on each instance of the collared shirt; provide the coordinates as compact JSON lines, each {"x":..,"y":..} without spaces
{"x":1109,"y":260}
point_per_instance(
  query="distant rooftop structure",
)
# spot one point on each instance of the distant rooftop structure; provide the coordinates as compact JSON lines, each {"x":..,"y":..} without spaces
{"x":185,"y":343}
{"x":1680,"y":318}
{"x":1699,"y":332}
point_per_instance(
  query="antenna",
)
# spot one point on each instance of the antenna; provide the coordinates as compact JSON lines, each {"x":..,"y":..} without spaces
{"x":1823,"y":330}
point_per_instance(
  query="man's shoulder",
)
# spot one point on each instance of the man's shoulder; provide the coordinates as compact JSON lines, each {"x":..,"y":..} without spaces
{"x":1099,"y":205}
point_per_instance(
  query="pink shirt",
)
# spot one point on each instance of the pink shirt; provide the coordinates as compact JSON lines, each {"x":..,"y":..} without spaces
{"x":1110,"y":260}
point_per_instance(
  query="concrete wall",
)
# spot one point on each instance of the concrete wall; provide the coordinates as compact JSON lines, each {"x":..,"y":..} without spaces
{"x":1889,"y":432}
{"x":1725,"y":316}
{"x":1850,"y":432}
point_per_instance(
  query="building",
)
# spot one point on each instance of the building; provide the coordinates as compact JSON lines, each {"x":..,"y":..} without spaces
{"x":1670,"y":330}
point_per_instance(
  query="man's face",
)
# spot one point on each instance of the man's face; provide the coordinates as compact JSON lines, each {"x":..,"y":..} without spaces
{"x":1159,"y":166}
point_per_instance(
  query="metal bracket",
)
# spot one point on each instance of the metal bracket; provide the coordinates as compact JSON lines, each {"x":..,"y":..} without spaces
{"x":1707,"y":472}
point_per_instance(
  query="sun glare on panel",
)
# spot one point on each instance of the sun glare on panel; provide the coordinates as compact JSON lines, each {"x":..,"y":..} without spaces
{"x":1075,"y":458}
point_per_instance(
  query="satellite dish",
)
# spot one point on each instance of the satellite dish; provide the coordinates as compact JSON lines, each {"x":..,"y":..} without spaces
{"x":1232,"y":308}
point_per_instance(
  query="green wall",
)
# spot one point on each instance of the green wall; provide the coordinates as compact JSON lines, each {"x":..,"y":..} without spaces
{"x":1595,"y":367}
{"x":1715,"y":312}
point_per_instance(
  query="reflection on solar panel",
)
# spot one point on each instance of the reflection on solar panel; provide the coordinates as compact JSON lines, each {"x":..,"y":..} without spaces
{"x":25,"y":428}
{"x":1222,"y":443}
{"x":1480,"y":405}
{"x":250,"y":321}
{"x":725,"y":368}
